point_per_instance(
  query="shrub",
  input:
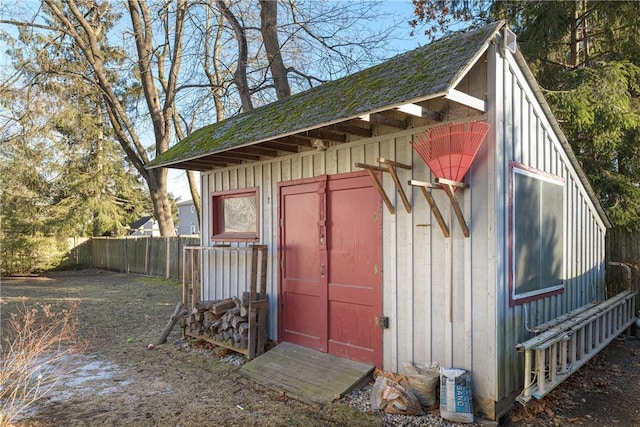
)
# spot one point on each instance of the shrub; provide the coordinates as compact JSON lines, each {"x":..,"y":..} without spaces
{"x":36,"y":343}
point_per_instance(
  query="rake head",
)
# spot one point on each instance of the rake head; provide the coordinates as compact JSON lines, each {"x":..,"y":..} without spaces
{"x":449,"y":150}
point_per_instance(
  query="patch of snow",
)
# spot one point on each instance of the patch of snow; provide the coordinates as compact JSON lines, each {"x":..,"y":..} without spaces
{"x":80,"y":375}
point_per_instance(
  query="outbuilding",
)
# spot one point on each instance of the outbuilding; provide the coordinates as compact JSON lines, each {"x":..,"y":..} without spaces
{"x":428,"y":209}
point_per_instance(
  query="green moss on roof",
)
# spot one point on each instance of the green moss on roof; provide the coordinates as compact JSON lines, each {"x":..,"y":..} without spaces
{"x":416,"y":74}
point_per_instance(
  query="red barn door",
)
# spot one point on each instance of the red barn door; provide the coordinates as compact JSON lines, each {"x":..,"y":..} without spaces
{"x":331,"y":266}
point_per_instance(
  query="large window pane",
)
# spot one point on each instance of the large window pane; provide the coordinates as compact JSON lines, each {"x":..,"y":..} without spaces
{"x":239,"y":214}
{"x":235,"y":215}
{"x":537,"y":233}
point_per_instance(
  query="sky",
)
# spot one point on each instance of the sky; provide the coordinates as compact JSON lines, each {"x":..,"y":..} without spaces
{"x":399,"y":11}
{"x":392,"y":11}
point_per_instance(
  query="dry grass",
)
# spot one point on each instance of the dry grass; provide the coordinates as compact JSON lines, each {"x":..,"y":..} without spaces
{"x":36,"y":342}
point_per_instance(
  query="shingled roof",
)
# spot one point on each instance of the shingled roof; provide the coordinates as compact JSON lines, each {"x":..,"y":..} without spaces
{"x":414,"y":76}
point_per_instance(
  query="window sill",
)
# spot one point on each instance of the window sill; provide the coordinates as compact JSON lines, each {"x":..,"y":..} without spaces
{"x":235,"y":237}
{"x":556,"y":290}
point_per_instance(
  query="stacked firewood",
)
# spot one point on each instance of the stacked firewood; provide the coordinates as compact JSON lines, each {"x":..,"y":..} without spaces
{"x":225,"y":321}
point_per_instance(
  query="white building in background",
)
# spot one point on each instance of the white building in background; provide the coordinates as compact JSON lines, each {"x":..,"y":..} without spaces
{"x":145,"y":226}
{"x":187,"y":222}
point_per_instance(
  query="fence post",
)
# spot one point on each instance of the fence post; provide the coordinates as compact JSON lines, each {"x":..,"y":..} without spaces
{"x":146,"y":256}
{"x":167,"y":272}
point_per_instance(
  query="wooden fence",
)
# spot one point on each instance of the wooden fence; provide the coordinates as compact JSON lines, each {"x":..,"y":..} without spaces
{"x":152,"y":256}
{"x":623,"y":246}
{"x":162,"y":256}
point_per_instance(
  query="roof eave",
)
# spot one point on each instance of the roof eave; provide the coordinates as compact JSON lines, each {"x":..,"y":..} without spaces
{"x":316,"y":126}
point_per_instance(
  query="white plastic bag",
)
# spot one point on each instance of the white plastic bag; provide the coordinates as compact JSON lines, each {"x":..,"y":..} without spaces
{"x":456,"y":401}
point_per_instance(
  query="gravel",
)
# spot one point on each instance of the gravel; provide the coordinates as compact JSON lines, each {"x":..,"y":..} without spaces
{"x":360,"y":399}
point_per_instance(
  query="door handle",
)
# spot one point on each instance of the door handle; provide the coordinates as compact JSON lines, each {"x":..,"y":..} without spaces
{"x":323,"y":270}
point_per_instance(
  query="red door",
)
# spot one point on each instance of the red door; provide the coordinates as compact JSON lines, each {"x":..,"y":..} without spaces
{"x":331,"y":278}
{"x":354,"y":236}
{"x":303,"y":290}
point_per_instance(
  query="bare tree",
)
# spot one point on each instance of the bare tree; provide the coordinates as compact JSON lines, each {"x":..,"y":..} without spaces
{"x":84,"y":23}
{"x":251,"y":52}
{"x":293,"y":45}
{"x":269,"y":29}
{"x":240,"y":74}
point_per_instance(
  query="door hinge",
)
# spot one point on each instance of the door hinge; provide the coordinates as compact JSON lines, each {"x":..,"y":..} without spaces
{"x":281,"y":263}
{"x":281,"y":222}
{"x":382,"y":322}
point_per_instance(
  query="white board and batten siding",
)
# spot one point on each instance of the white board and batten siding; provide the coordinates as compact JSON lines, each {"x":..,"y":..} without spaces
{"x":421,"y":269}
{"x":530,"y":140}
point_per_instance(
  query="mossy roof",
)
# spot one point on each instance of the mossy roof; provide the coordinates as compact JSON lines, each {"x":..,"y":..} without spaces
{"x":411,"y":76}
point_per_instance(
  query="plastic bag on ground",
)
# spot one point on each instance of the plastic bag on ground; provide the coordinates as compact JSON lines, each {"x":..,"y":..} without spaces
{"x":423,"y":383}
{"x":455,"y":395}
{"x":391,"y":397}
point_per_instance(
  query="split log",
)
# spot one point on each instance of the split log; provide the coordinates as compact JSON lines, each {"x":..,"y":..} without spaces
{"x":207,"y":304}
{"x":235,"y":321}
{"x":243,"y":328}
{"x":177,"y":314}
{"x":224,"y":305}
{"x":210,"y":316}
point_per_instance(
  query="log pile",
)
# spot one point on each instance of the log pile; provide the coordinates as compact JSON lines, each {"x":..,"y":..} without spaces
{"x":225,"y":321}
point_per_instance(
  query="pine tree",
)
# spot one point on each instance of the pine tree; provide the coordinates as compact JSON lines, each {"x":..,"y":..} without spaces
{"x":586,"y":56}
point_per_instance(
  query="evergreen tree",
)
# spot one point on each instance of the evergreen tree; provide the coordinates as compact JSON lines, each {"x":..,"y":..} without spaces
{"x":586,"y":56}
{"x":149,"y":67}
{"x":91,"y":190}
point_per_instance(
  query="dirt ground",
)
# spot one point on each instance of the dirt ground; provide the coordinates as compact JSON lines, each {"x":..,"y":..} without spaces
{"x":117,"y":381}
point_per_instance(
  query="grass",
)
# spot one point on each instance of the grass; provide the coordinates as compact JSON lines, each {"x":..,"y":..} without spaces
{"x":36,"y":341}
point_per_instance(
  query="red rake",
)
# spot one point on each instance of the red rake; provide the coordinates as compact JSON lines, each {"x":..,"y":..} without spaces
{"x":449,"y":150}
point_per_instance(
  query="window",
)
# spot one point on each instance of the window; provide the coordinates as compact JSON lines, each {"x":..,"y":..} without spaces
{"x":235,"y":215}
{"x":536,"y":234}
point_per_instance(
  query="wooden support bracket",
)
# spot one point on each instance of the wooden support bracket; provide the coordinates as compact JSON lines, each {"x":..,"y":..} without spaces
{"x":424,"y":186}
{"x":448,"y":186}
{"x":391,"y":165}
{"x":390,"y":168}
{"x":376,"y":182}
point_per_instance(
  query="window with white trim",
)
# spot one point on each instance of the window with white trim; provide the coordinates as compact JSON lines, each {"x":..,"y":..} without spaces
{"x":536,"y":234}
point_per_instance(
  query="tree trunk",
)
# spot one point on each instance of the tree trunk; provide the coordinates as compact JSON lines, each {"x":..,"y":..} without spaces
{"x":585,"y":31}
{"x":240,"y":75}
{"x":99,"y":158}
{"x":269,"y":22}
{"x":160,"y":112}
{"x":161,"y":203}
{"x":574,"y":34}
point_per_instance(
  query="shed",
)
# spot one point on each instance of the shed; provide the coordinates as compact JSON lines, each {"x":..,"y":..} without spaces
{"x":374,"y":258}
